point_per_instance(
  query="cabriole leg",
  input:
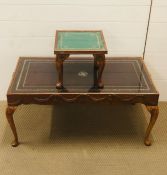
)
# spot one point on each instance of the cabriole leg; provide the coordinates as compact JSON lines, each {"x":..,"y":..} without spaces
{"x":9,"y":115}
{"x":99,"y":64}
{"x":59,"y":66}
{"x":154,"y":111}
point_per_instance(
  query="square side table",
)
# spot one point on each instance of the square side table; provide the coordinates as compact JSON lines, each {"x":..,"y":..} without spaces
{"x":80,"y":42}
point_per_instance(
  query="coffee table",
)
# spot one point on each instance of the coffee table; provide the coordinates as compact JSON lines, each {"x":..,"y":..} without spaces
{"x":80,"y":42}
{"x":126,"y":81}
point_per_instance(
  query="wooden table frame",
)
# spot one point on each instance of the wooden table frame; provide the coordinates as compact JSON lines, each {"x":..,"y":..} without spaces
{"x":14,"y":99}
{"x":99,"y":58}
{"x":53,"y":99}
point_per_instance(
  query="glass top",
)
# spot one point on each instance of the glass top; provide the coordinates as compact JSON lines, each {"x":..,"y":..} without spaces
{"x":79,"y":41}
{"x":121,"y":75}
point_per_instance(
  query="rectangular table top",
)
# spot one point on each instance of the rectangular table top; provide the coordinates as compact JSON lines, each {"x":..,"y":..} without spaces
{"x":125,"y":80}
{"x":79,"y":41}
{"x":121,"y":75}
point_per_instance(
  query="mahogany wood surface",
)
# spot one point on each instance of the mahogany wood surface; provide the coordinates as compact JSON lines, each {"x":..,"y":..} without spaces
{"x":126,"y":80}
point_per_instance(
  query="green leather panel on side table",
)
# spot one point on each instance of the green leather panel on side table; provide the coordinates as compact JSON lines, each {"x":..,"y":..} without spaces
{"x":80,"y":41}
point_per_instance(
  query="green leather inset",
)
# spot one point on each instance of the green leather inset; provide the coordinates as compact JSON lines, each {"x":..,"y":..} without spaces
{"x":80,"y":40}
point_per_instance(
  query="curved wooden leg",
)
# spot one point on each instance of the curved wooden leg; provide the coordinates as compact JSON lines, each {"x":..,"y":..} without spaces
{"x":95,"y":74}
{"x":9,"y":115}
{"x":99,"y":64}
{"x":59,"y":66}
{"x":154,"y":111}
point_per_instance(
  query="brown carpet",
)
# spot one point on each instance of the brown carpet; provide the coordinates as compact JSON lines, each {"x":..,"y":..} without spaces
{"x":75,"y":139}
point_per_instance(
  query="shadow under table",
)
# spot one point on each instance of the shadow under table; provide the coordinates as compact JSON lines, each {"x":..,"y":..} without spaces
{"x":126,"y":81}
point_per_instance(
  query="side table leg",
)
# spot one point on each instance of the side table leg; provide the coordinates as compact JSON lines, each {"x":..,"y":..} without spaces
{"x":99,"y":64}
{"x":154,"y":111}
{"x":59,"y":66}
{"x":9,"y":115}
